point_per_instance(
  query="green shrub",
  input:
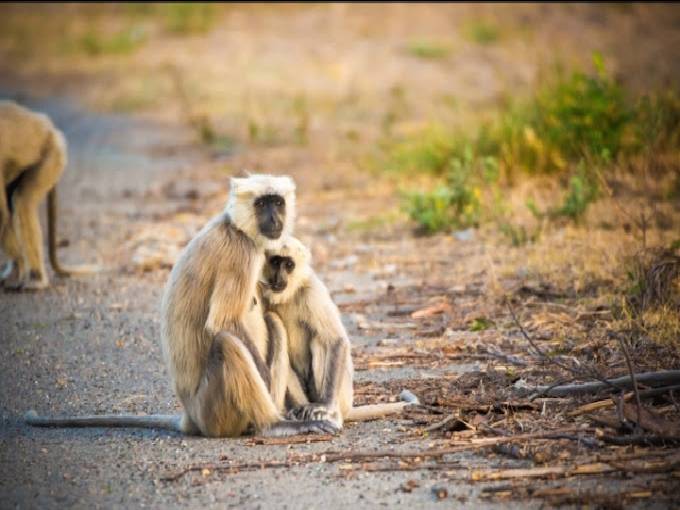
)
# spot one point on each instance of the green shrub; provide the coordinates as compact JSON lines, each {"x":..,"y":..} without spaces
{"x":581,"y":193}
{"x":428,"y":49}
{"x":582,"y":115}
{"x":428,"y":152}
{"x":657,"y":121}
{"x":572,"y":119}
{"x":126,"y":41}
{"x":482,"y":32}
{"x":567,"y":119}
{"x":455,"y":205}
{"x":184,"y":18}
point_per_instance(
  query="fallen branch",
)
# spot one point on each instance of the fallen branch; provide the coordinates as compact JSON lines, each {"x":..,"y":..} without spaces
{"x":594,"y":468}
{"x":603,"y":404}
{"x":631,"y":373}
{"x":305,"y":439}
{"x":646,"y":440}
{"x":234,"y":468}
{"x":541,"y":472}
{"x":654,"y":379}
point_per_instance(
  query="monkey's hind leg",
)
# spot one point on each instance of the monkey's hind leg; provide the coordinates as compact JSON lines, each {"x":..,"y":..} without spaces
{"x":12,"y":274}
{"x":277,"y":359}
{"x":233,"y":396}
{"x":32,"y":188}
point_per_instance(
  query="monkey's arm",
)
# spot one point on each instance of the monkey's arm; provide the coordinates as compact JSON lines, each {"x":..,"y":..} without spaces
{"x":152,"y":421}
{"x":229,"y":302}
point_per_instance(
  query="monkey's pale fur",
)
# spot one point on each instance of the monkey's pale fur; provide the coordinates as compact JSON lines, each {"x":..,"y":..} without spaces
{"x":318,"y":342}
{"x":210,"y":292}
{"x":240,"y":209}
{"x":317,"y":339}
{"x":214,"y":335}
{"x":32,"y":160}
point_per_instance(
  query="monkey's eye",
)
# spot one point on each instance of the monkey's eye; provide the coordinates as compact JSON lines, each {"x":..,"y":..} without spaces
{"x":290,"y":265}
{"x":259,"y":203}
{"x":278,"y":202}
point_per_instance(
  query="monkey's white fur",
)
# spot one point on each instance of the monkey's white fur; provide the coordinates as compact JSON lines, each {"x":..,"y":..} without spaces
{"x":243,"y":192}
{"x":315,"y":330}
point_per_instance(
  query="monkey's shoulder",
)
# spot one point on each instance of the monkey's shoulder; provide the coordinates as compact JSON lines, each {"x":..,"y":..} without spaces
{"x":220,"y":237}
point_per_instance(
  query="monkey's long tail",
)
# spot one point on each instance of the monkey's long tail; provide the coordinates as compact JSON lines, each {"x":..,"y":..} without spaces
{"x":376,"y":411}
{"x":152,"y":421}
{"x":52,"y":241}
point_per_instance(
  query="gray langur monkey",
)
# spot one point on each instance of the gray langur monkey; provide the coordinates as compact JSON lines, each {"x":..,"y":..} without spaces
{"x":218,"y":345}
{"x":32,"y":159}
{"x":319,"y":380}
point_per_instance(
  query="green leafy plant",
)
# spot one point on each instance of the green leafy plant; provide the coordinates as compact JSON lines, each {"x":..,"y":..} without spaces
{"x":455,"y":205}
{"x":123,"y":42}
{"x":482,"y":32}
{"x":481,"y":324}
{"x":183,"y":18}
{"x":429,"y":49}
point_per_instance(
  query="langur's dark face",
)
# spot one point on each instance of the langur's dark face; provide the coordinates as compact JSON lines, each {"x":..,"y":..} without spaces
{"x":276,"y":272}
{"x":270,"y":211}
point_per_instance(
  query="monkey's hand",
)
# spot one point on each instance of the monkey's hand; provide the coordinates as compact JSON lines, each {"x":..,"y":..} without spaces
{"x":310,"y":412}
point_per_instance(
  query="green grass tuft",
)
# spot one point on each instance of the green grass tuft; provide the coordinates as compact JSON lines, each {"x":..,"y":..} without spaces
{"x":429,"y":49}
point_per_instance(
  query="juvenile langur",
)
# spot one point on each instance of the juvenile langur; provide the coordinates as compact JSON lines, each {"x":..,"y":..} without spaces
{"x":319,"y":383}
{"x":218,"y":345}
{"x":32,"y":159}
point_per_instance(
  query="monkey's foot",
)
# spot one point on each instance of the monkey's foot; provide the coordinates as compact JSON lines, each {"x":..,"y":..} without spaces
{"x":34,"y":281}
{"x":9,"y":270}
{"x":286,"y":428}
{"x":312,"y":412}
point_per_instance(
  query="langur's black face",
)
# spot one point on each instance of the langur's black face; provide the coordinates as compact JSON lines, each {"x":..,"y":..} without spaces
{"x":270,"y":211}
{"x":276,"y":272}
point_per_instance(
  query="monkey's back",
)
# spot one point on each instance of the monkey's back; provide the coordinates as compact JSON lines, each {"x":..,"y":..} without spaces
{"x":186,"y":299}
{"x":23,"y":135}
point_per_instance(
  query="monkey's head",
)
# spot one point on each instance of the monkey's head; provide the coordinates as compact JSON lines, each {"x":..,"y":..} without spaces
{"x":285,"y":270}
{"x":263,"y":206}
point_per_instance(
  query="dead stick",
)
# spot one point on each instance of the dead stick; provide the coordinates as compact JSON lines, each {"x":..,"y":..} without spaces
{"x":599,"y":404}
{"x":646,"y":440}
{"x":638,"y":402}
{"x":246,"y":466}
{"x":661,"y":378}
{"x":289,"y":440}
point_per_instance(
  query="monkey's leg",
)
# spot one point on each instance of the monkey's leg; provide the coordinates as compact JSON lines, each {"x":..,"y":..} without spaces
{"x":277,"y":359}
{"x":5,"y":193}
{"x":295,"y":395}
{"x":34,"y":184}
{"x":14,"y":272}
{"x":232,"y":396}
{"x":331,"y":374}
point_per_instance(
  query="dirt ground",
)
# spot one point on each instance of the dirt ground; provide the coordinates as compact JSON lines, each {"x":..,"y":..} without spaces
{"x":139,"y":185}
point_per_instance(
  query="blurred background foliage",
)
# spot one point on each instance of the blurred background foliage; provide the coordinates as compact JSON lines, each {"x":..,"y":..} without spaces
{"x":552,"y":130}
